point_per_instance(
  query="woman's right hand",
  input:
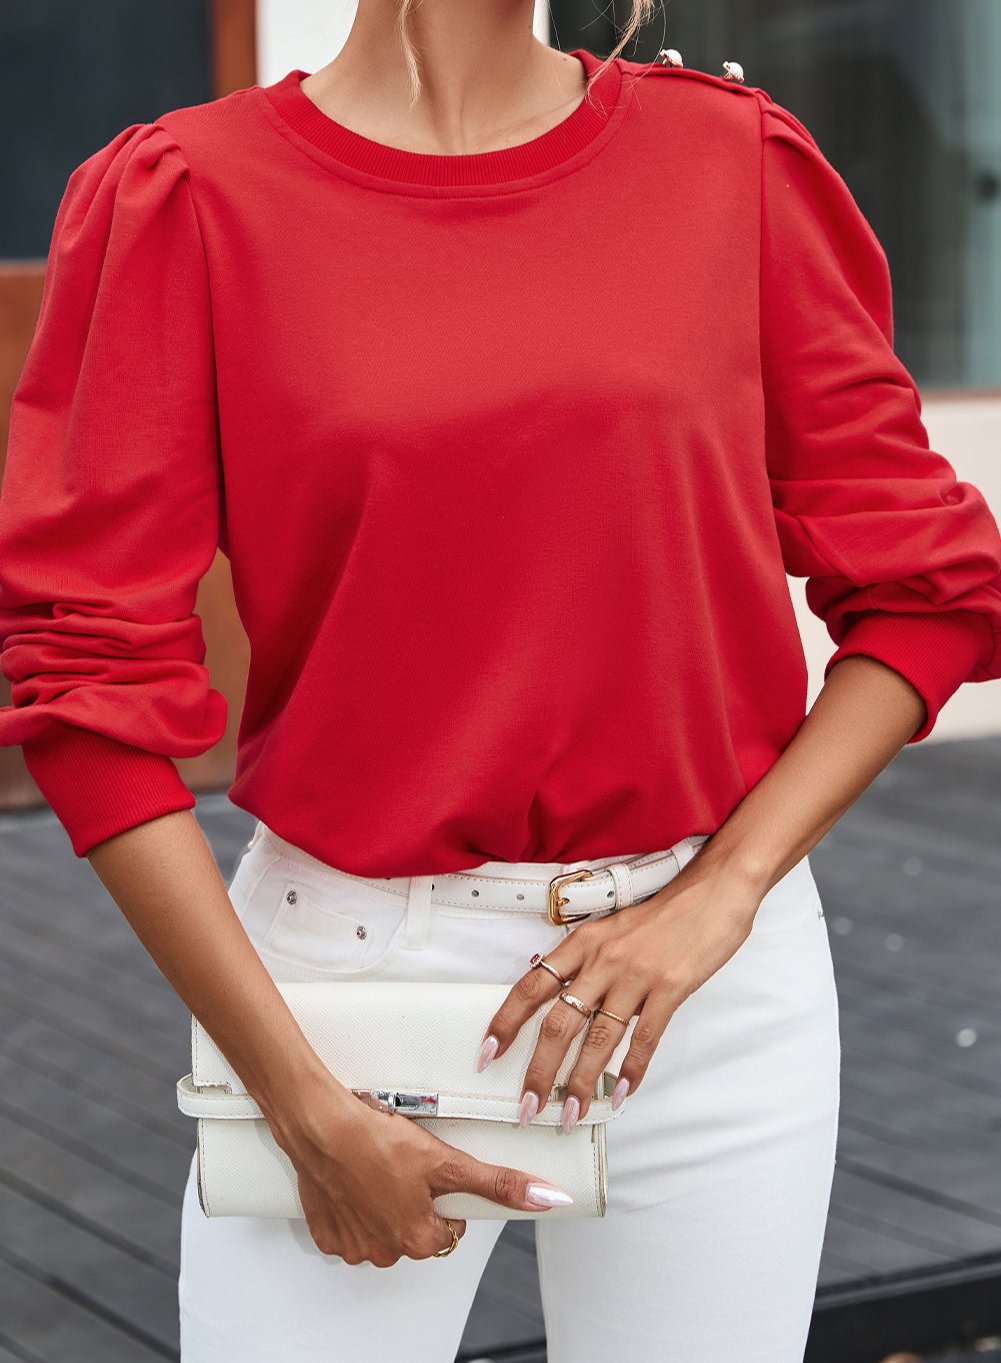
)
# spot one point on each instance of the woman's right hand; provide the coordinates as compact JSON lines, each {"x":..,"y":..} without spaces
{"x":367,"y":1178}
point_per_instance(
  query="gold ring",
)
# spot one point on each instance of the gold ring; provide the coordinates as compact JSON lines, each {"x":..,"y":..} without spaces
{"x":440,"y":1253}
{"x":608,"y":1013}
{"x":577,"y":1003}
{"x":538,"y":961}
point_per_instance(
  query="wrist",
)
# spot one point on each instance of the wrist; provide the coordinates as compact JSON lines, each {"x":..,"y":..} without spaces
{"x":296,"y":1091}
{"x":735,"y":863}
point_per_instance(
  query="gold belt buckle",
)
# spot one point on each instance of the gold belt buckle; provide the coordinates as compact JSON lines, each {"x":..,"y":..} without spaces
{"x":556,"y":900}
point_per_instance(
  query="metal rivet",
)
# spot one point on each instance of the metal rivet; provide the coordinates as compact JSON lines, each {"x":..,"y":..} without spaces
{"x":291,"y":897}
{"x":361,"y":931}
{"x":733,"y":71}
{"x":610,"y":895}
{"x":670,"y":56}
{"x":474,"y":893}
{"x":520,"y":896}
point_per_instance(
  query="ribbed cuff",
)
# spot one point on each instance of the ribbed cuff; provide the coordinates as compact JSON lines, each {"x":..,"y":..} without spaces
{"x":98,"y":786}
{"x":936,"y":651}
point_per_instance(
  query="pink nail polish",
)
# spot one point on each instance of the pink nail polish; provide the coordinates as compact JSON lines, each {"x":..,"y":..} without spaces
{"x":529,"y":1107}
{"x":571,"y":1111}
{"x":545,"y":1195}
{"x":619,"y":1092}
{"x":487,"y":1052}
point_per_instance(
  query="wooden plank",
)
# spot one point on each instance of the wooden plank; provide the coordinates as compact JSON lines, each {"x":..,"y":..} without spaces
{"x":972,"y":1190}
{"x":929,"y":971}
{"x":122,"y":994}
{"x":838,"y":1267}
{"x":876,"y":1245}
{"x":141,"y":1219}
{"x":22,"y":1355}
{"x":956,"y":1129}
{"x":75,"y":1062}
{"x":108,"y":1139}
{"x":136,"y":1040}
{"x":103,"y":1276}
{"x":921,"y":1216}
{"x":45,"y":1320}
{"x":885,"y":1011}
{"x":91,"y":932}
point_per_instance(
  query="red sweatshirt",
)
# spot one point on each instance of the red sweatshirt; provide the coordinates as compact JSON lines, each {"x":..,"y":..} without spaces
{"x":511,"y":454}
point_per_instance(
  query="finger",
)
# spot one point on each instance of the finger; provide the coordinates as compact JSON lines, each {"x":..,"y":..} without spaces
{"x":424,"y":1236}
{"x":443,"y":1224}
{"x":561,"y":1025}
{"x":604,"y":1034}
{"x":459,"y":1172}
{"x":535,"y":987}
{"x":655,"y":1014}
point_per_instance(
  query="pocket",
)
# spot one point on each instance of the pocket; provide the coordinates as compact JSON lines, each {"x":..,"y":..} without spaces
{"x":316,"y":925}
{"x":792,"y":902}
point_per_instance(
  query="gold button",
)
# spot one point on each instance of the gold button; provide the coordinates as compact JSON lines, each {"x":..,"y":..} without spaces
{"x":733,"y":71}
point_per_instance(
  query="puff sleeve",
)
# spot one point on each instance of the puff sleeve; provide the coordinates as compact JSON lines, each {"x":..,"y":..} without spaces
{"x":109,"y":507}
{"x":903,"y":561}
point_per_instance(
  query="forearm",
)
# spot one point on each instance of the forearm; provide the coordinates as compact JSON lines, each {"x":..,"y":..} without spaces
{"x":862,"y":717}
{"x":164,"y":879}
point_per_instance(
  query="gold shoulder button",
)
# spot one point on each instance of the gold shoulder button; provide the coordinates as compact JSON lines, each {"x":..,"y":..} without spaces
{"x":670,"y":56}
{"x":733,"y":71}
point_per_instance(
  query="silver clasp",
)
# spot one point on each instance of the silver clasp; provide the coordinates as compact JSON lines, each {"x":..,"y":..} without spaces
{"x":393,"y":1100}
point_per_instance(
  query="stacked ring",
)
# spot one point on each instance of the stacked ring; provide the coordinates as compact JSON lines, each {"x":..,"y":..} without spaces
{"x":538,"y":961}
{"x":608,"y":1013}
{"x":577,"y":1003}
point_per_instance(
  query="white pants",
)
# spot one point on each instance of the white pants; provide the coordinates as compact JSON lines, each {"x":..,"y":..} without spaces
{"x":719,"y":1172}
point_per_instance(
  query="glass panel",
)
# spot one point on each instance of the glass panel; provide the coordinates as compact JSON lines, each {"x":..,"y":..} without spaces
{"x":904,"y":100}
{"x":72,"y":74}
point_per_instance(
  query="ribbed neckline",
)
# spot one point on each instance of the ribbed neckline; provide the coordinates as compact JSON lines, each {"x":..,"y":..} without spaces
{"x":547,"y":152}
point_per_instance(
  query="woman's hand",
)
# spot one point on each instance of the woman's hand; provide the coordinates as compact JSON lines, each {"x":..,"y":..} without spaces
{"x":367,"y":1178}
{"x":646,"y":959}
{"x":649,"y":957}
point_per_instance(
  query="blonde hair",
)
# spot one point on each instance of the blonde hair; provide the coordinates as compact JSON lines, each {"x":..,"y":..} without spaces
{"x":642,"y":12}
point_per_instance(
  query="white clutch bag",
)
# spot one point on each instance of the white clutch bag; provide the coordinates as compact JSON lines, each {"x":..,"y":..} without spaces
{"x":410,"y":1046}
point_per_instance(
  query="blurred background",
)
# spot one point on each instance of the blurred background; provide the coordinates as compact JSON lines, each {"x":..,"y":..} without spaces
{"x":904,"y":98}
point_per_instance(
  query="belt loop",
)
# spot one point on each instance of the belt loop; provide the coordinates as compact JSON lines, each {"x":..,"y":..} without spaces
{"x":418,"y":923}
{"x":258,"y":833}
{"x":683,"y":851}
{"x":622,"y":880}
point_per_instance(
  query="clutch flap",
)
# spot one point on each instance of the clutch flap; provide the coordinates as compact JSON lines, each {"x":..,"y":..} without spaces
{"x":409,"y":1038}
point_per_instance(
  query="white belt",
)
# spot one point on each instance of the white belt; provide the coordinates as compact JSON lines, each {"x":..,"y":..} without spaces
{"x":564,"y":898}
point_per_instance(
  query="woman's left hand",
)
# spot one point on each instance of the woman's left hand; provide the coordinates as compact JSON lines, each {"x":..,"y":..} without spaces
{"x":645,"y":959}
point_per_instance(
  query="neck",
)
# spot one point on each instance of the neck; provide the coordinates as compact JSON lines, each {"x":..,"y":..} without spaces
{"x":485,"y":79}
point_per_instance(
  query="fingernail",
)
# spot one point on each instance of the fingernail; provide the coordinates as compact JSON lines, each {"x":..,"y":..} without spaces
{"x":487,"y":1052}
{"x":529,"y":1107}
{"x":619,"y":1092}
{"x":571,"y":1111}
{"x":545,"y":1195}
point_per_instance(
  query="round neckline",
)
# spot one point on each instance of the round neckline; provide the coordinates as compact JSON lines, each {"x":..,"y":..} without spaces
{"x":548,"y":152}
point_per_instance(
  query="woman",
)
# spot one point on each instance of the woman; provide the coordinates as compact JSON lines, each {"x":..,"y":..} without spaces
{"x":510,"y":517}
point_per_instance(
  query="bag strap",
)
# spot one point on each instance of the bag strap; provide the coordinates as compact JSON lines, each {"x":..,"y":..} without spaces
{"x":216,"y":1101}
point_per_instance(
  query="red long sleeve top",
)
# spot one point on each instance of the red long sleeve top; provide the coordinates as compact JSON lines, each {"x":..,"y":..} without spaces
{"x":511,"y":454}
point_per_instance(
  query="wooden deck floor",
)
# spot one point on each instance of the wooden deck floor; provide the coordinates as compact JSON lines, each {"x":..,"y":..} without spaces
{"x":93,"y":1152}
